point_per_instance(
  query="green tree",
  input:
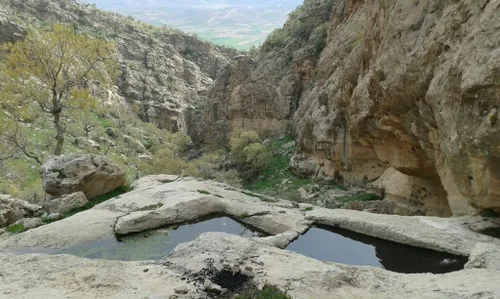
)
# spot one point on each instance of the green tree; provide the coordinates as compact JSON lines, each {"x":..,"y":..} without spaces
{"x":50,"y":73}
{"x":248,"y":150}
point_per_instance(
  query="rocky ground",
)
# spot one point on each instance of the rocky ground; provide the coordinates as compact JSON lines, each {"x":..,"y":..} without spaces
{"x":160,"y":201}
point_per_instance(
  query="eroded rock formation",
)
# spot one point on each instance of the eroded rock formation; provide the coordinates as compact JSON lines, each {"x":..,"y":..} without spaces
{"x":405,"y":86}
{"x":164,"y":71}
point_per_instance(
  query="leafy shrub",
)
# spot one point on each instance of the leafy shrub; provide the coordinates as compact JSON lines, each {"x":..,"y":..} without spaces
{"x":168,"y":162}
{"x":247,"y":150}
{"x":276,"y":39}
{"x":239,"y":141}
{"x":257,"y":155}
{"x":320,"y":35}
{"x":209,"y":164}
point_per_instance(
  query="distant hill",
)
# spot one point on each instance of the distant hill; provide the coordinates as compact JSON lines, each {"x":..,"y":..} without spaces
{"x":236,"y":23}
{"x":195,"y":3}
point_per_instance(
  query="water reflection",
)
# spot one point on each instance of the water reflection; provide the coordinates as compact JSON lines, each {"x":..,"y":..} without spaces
{"x":346,"y":247}
{"x":152,"y":245}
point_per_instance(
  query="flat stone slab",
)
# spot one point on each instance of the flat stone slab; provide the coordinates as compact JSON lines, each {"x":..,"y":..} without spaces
{"x":156,"y":205}
{"x":304,"y":277}
{"x":64,"y":276}
{"x":83,"y":227}
{"x":153,"y":204}
{"x":451,"y":235}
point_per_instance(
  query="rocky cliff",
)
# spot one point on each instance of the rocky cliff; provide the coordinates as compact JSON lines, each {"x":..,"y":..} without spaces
{"x":401,"y":95}
{"x":163,"y":71}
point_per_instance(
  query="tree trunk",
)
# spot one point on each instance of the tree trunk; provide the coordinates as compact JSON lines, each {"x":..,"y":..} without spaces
{"x":56,"y":113}
{"x":59,"y":134}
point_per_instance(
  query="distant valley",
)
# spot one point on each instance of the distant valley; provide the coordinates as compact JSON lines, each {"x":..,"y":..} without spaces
{"x":236,"y":23}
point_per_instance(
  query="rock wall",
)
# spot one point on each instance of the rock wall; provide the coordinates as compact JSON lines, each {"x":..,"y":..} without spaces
{"x":163,"y":71}
{"x":411,"y":87}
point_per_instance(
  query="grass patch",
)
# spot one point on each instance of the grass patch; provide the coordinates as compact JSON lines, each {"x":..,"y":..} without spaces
{"x":269,"y":292}
{"x":278,"y":171}
{"x":100,"y":199}
{"x":309,"y":209}
{"x":48,"y":220}
{"x":105,"y":122}
{"x":16,"y":228}
{"x":359,"y":197}
{"x":203,"y":192}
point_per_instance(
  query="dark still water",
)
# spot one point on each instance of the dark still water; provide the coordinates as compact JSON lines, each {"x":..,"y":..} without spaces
{"x":492,"y":232}
{"x":152,"y":245}
{"x":346,"y":247}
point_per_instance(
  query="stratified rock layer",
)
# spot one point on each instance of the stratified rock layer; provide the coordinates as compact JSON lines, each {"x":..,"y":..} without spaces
{"x":403,"y":85}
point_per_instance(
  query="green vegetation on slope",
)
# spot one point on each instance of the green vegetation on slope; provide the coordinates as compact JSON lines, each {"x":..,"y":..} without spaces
{"x":276,"y":178}
{"x":16,"y":228}
{"x":268,"y":292}
{"x":306,"y":25}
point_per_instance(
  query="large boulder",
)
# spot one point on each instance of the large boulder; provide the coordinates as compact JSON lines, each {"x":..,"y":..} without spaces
{"x":65,"y":203}
{"x":13,"y":209}
{"x":91,"y":174}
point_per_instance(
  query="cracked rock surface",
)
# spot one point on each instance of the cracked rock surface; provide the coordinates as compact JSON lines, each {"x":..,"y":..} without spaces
{"x":199,"y":268}
{"x":154,"y":204}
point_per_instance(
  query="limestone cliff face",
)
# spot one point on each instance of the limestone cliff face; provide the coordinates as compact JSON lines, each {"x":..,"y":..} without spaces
{"x":405,"y":93}
{"x":164,"y":71}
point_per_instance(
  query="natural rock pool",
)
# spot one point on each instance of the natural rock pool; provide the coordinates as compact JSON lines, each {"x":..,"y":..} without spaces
{"x":491,"y":231}
{"x":151,"y":245}
{"x":346,"y":247}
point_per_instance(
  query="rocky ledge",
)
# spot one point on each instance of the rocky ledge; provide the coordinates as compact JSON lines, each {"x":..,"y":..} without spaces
{"x":193,"y":267}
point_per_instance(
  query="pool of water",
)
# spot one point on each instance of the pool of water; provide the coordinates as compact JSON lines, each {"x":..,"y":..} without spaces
{"x":491,"y":231}
{"x":346,"y":247}
{"x":151,"y":245}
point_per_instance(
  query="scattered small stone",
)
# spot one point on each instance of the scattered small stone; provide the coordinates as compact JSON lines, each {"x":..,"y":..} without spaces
{"x":181,"y":290}
{"x":247,"y":273}
{"x":214,"y":288}
{"x":145,"y":270}
{"x":258,"y":263}
{"x":207,"y":283}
